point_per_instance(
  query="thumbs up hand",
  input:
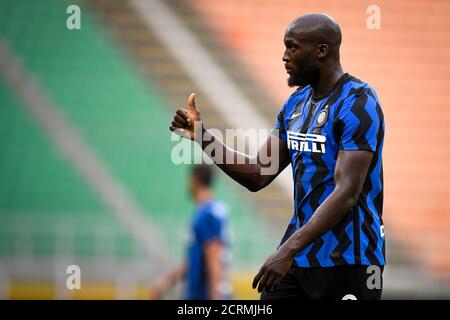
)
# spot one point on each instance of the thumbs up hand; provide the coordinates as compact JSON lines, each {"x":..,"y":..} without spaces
{"x":185,"y":119}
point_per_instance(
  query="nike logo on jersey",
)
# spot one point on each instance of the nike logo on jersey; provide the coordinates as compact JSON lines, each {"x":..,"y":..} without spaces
{"x":295,"y":115}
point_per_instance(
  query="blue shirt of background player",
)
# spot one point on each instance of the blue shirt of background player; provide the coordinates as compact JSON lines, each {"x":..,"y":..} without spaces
{"x":209,"y":223}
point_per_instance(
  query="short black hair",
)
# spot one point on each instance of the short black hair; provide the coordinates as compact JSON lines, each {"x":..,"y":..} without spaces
{"x":204,"y":173}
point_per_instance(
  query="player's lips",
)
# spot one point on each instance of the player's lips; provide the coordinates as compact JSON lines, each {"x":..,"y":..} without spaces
{"x":288,"y":69}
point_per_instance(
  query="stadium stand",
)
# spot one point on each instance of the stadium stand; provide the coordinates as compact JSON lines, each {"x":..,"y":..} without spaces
{"x":157,"y":63}
{"x":117,"y":84}
{"x":121,"y":117}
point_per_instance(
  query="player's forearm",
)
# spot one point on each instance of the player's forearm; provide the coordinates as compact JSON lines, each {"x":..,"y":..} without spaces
{"x":214,"y":276}
{"x":214,"y":251}
{"x":176,"y":275}
{"x":327,"y":215}
{"x":238,"y":166}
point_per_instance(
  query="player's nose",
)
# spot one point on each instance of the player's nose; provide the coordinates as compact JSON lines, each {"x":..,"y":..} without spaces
{"x":285,"y":57}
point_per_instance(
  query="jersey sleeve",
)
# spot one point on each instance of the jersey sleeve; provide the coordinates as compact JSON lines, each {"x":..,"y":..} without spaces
{"x":279,"y":130}
{"x":359,"y":124}
{"x":211,"y":226}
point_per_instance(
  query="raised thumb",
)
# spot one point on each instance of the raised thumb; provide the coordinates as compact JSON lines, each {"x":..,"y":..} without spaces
{"x":191,"y":102}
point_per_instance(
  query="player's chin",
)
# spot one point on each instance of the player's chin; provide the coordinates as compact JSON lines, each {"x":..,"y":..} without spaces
{"x":295,"y":80}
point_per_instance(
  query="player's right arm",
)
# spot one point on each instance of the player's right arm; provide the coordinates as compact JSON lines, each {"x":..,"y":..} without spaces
{"x":166,"y":282}
{"x":244,"y":169}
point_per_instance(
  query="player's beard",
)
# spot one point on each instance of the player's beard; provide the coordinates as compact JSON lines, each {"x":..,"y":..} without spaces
{"x":295,"y":80}
{"x":309,"y":74}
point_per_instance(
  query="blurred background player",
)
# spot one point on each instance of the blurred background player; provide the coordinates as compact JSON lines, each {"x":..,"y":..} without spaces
{"x":204,"y":270}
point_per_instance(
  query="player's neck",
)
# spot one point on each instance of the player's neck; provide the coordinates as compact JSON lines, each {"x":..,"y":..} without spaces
{"x":203,"y":195}
{"x":327,"y":81}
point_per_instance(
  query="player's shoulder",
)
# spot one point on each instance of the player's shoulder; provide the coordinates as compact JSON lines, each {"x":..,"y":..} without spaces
{"x":360,"y":99}
{"x":356,"y":88}
{"x":214,"y":209}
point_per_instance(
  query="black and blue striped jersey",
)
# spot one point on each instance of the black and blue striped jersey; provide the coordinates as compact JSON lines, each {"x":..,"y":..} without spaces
{"x":349,"y":118}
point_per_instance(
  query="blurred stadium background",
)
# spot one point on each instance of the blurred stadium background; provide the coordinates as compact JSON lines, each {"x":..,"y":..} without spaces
{"x":86,"y":175}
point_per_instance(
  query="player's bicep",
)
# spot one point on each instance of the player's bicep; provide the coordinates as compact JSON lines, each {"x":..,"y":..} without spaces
{"x":213,"y":249}
{"x":351,"y":170}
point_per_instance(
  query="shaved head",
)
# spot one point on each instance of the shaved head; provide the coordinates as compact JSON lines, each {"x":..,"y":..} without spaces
{"x":318,"y":28}
{"x":312,"y":48}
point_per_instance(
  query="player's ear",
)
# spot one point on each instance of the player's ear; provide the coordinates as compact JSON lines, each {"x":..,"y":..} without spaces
{"x":322,"y":50}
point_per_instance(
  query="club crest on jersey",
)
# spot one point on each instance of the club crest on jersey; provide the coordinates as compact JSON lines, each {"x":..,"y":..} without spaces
{"x":322,"y":117}
{"x":306,"y":142}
